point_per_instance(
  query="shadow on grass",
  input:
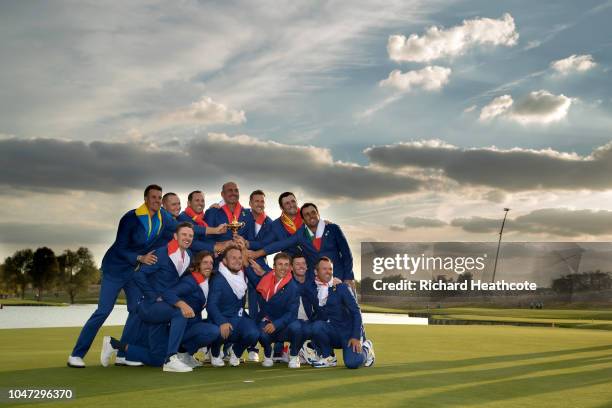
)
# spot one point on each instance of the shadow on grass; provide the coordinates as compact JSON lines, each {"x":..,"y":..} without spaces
{"x":456,"y":382}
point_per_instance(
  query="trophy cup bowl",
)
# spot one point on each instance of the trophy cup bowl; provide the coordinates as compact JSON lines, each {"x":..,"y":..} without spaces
{"x":235,"y":226}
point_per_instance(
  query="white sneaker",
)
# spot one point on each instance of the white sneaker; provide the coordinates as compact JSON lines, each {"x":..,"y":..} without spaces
{"x":224,"y":356}
{"x":203,"y":355}
{"x":294,"y":362}
{"x":107,"y":351}
{"x":268,"y":361}
{"x":75,"y":362}
{"x":307,"y":354}
{"x":234,"y":360}
{"x":217,"y":361}
{"x":370,"y":357}
{"x":175,"y":365}
{"x":189,"y":360}
{"x":253,"y":357}
{"x":121,"y":361}
{"x":325,"y":362}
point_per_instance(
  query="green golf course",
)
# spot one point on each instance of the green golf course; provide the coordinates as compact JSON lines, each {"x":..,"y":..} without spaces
{"x":416,"y":366}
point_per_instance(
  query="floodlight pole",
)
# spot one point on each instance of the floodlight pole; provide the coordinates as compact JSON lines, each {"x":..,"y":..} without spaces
{"x":501,"y":231}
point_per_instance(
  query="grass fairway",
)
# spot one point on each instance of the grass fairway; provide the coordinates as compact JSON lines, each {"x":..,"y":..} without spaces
{"x":416,"y":366}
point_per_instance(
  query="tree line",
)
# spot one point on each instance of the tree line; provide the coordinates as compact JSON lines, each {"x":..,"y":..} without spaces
{"x":70,"y":272}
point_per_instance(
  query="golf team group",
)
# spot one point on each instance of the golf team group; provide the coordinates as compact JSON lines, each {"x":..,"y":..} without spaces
{"x":173,"y":266}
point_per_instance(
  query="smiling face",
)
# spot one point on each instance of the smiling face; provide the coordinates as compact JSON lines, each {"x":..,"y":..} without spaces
{"x":325,"y":270}
{"x":310,"y":216}
{"x":172,"y":204}
{"x":153,"y":200}
{"x":230,"y":193}
{"x":299,"y":267}
{"x":233,"y":260}
{"x":289,"y":205}
{"x":281,"y":268}
{"x":184,"y":236}
{"x":258,"y":204}
{"x":197,"y":202}
{"x":206,"y":266}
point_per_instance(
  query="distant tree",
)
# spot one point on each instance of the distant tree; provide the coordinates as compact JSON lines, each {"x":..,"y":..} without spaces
{"x":76,"y":271}
{"x":44,"y":270}
{"x":17,"y":271}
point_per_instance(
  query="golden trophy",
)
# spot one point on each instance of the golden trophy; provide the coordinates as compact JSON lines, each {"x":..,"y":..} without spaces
{"x":235,"y":225}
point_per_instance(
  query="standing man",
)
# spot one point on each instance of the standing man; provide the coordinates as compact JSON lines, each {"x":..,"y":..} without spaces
{"x":194,"y":213}
{"x":138,"y":234}
{"x":225,"y":308}
{"x":230,"y":211}
{"x":317,"y":239}
{"x":339,"y":323}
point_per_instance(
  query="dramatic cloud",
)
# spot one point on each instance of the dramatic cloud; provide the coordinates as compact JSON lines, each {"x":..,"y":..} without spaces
{"x":438,"y":42}
{"x":206,"y":112}
{"x":418,"y":222}
{"x":554,"y":221}
{"x":39,"y":164}
{"x":573,"y":63}
{"x":539,"y":107}
{"x":504,"y":169}
{"x":428,"y":78}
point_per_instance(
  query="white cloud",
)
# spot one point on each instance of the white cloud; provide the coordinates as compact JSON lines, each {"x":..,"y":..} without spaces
{"x":430,"y":78}
{"x":539,"y":107}
{"x":496,"y":107}
{"x":439,"y":43}
{"x":206,"y":112}
{"x":573,"y":63}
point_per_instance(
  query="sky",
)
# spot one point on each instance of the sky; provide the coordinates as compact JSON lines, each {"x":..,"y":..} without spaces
{"x":413,"y":121}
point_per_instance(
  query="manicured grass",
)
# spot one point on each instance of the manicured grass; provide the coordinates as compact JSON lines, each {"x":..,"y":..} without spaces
{"x":416,"y":366}
{"x":576,"y":318}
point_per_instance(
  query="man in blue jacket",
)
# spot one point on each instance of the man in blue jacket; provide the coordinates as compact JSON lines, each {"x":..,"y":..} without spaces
{"x":339,"y":323}
{"x":226,"y":308}
{"x":230,"y":211}
{"x":257,"y":225}
{"x":318,"y":238}
{"x":137,"y":236}
{"x":191,"y":289}
{"x":154,"y":280}
{"x":278,"y":298}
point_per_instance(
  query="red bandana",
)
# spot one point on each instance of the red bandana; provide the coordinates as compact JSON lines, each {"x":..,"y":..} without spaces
{"x":199,"y":278}
{"x":197,"y":218}
{"x":267,"y":285}
{"x":260,"y":219}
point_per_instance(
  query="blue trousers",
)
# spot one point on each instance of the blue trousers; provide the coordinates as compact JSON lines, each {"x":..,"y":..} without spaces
{"x":109,"y":290}
{"x":253,"y":309}
{"x":158,"y":315}
{"x":197,"y":334}
{"x":327,"y":337}
{"x":243,"y":335}
{"x":291,"y":333}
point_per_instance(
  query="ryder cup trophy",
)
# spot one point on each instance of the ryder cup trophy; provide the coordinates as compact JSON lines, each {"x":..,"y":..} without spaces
{"x":235,"y":225}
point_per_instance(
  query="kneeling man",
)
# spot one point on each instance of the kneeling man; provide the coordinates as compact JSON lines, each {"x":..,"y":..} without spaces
{"x":278,"y":298}
{"x":226,"y":308}
{"x":339,"y":323}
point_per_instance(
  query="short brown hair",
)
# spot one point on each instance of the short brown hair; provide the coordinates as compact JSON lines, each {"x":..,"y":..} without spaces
{"x":282,"y":255}
{"x":152,"y":187}
{"x":324,"y":258}
{"x":185,"y":224}
{"x":256,"y":192}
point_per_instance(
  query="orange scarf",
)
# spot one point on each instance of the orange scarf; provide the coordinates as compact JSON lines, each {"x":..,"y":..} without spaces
{"x":267,"y":286}
{"x":291,"y":224}
{"x":197,"y":218}
{"x":235,"y":216}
